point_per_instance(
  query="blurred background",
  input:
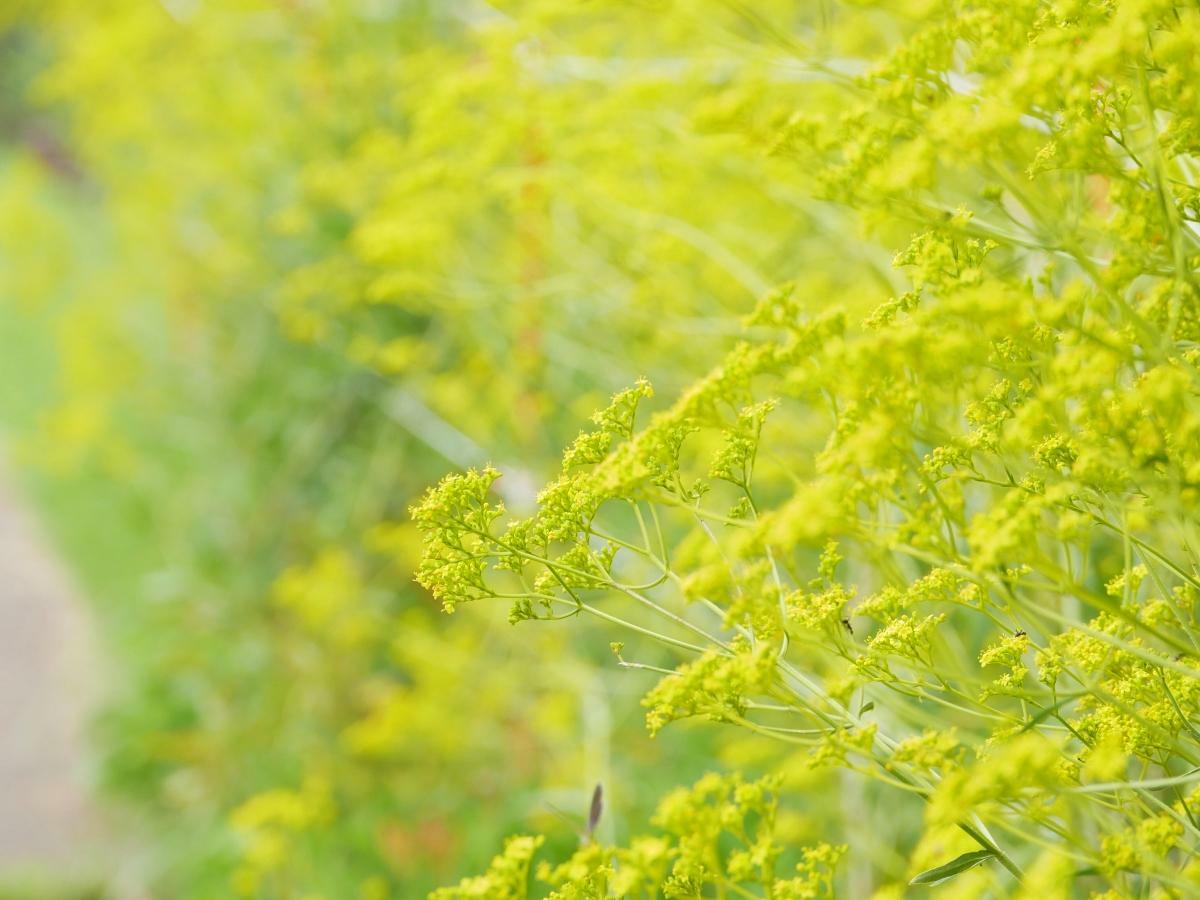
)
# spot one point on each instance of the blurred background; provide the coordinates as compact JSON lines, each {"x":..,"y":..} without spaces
{"x":268,"y":270}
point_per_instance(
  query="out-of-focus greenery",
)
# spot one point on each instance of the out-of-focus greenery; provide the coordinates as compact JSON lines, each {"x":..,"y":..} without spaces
{"x":916,"y":524}
{"x":268,"y":270}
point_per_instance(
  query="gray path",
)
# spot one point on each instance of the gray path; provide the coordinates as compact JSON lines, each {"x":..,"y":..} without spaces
{"x":47,"y":684}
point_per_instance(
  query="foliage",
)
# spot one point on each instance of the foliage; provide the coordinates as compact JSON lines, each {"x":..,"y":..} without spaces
{"x":1003,"y":454}
{"x":919,"y":535}
{"x":686,"y":861}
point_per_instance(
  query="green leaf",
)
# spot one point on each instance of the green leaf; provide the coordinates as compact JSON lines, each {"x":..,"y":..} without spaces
{"x":949,"y":870}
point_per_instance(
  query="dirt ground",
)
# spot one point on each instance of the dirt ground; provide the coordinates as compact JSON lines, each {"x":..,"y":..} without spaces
{"x":48,"y":683}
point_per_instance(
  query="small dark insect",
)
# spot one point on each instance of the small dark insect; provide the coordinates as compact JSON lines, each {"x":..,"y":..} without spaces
{"x":1019,"y":634}
{"x":595,"y":810}
{"x":846,"y":624}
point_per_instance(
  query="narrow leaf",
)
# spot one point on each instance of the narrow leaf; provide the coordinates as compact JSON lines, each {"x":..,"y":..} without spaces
{"x":596,"y":809}
{"x":955,"y":866}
